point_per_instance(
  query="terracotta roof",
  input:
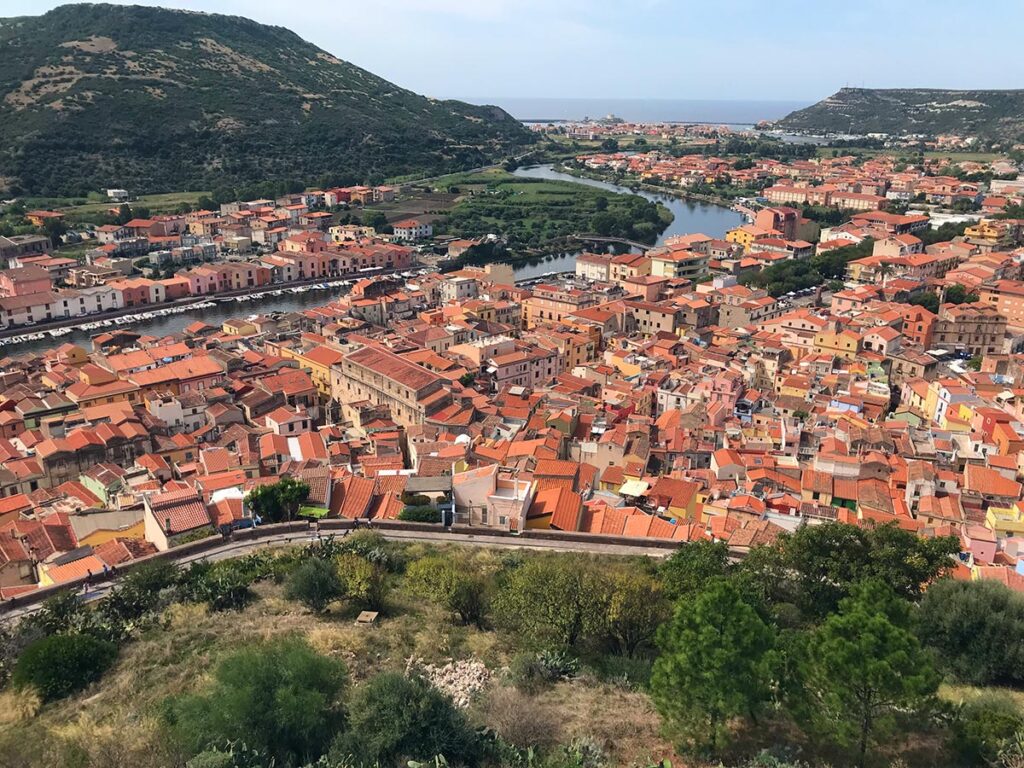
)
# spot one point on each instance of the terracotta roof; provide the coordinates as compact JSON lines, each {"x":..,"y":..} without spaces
{"x":181,"y":510}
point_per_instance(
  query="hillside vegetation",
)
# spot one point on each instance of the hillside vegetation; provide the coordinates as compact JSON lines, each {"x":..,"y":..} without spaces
{"x":156,"y":100}
{"x":830,"y":644}
{"x":992,"y":115}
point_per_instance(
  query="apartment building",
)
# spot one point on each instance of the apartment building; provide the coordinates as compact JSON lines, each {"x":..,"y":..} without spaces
{"x":552,"y":303}
{"x":975,"y":329}
{"x":372,"y":374}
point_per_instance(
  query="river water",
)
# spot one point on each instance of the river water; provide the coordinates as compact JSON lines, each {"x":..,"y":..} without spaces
{"x":690,"y":216}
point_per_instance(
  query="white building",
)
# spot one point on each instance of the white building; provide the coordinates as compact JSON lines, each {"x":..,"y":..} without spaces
{"x":411,"y":229}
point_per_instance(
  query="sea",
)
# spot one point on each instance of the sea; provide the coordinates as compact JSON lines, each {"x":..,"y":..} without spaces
{"x":739,"y":113}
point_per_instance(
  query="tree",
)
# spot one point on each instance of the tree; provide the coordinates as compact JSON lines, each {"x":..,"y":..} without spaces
{"x":636,"y":608}
{"x":450,"y":584}
{"x":470,"y":599}
{"x":906,"y":562}
{"x":975,"y":362}
{"x":610,"y":145}
{"x":55,"y":229}
{"x":865,"y":666}
{"x":927,"y":299}
{"x":692,"y":566}
{"x":714,"y":663}
{"x":363,"y":582}
{"x":278,"y":697}
{"x":825,"y":561}
{"x":278,"y":502}
{"x":977,"y":628}
{"x":375,"y":219}
{"x":558,"y":600}
{"x":58,"y":665}
{"x":394,"y":719}
{"x":315,"y":583}
{"x":957,"y":294}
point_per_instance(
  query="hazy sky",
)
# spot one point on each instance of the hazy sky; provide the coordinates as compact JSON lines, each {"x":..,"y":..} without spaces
{"x":717,"y":49}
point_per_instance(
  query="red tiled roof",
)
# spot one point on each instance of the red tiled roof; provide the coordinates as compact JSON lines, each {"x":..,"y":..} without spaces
{"x":181,"y":510}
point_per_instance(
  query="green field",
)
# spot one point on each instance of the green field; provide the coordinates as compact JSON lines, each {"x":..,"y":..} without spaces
{"x":533,"y":213}
{"x":92,"y":209}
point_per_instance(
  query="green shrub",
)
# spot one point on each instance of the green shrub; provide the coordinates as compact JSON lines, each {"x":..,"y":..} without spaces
{"x":278,"y":698}
{"x":983,"y":728}
{"x":316,"y":584}
{"x":136,"y":601}
{"x":420,"y":515}
{"x":63,"y":613}
{"x":363,"y":582}
{"x":415,"y":500}
{"x":222,"y":586}
{"x":532,"y":672}
{"x":59,"y":665}
{"x":977,"y":628}
{"x":633,"y":672}
{"x":450,"y":584}
{"x":374,"y":548}
{"x":394,"y":719}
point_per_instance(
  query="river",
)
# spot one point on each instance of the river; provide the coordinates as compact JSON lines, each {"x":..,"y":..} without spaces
{"x":690,"y":217}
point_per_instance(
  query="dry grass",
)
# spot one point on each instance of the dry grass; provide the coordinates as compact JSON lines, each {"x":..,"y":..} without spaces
{"x":624,"y":723}
{"x":18,"y":707}
{"x":521,"y":720}
{"x":964,"y":693}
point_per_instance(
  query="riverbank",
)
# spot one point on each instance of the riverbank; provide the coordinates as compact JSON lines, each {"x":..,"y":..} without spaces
{"x":657,"y":189}
{"x":689,"y":215}
{"x":183,"y":318}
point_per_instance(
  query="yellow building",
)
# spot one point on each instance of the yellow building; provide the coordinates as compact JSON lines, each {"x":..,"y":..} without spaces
{"x":576,"y":348}
{"x":93,"y":528}
{"x":862,"y":270}
{"x":987,"y":229}
{"x":745,"y":235}
{"x":239,"y":328}
{"x":1006,"y":521}
{"x":844,"y":344}
{"x":316,"y":361}
{"x":617,"y":360}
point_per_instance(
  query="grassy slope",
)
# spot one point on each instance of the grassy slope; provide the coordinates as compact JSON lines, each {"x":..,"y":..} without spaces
{"x":115,"y":722}
{"x":150,"y":99}
{"x":988,"y":113}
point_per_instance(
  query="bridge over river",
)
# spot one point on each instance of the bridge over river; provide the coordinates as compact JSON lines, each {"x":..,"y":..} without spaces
{"x":617,"y":240}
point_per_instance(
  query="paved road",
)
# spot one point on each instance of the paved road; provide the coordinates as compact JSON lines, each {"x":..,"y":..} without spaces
{"x":237,"y":549}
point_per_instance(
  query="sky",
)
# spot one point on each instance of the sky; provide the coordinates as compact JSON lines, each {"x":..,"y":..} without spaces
{"x":787,"y":50}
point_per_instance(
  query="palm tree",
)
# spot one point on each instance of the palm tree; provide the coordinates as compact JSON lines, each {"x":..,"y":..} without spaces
{"x":886,"y":270}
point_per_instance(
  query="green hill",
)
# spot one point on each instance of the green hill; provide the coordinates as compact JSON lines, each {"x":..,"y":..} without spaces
{"x":156,"y":100}
{"x":991,"y":115}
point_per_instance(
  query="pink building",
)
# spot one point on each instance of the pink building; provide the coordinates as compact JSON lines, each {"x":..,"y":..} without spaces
{"x":24,"y":281}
